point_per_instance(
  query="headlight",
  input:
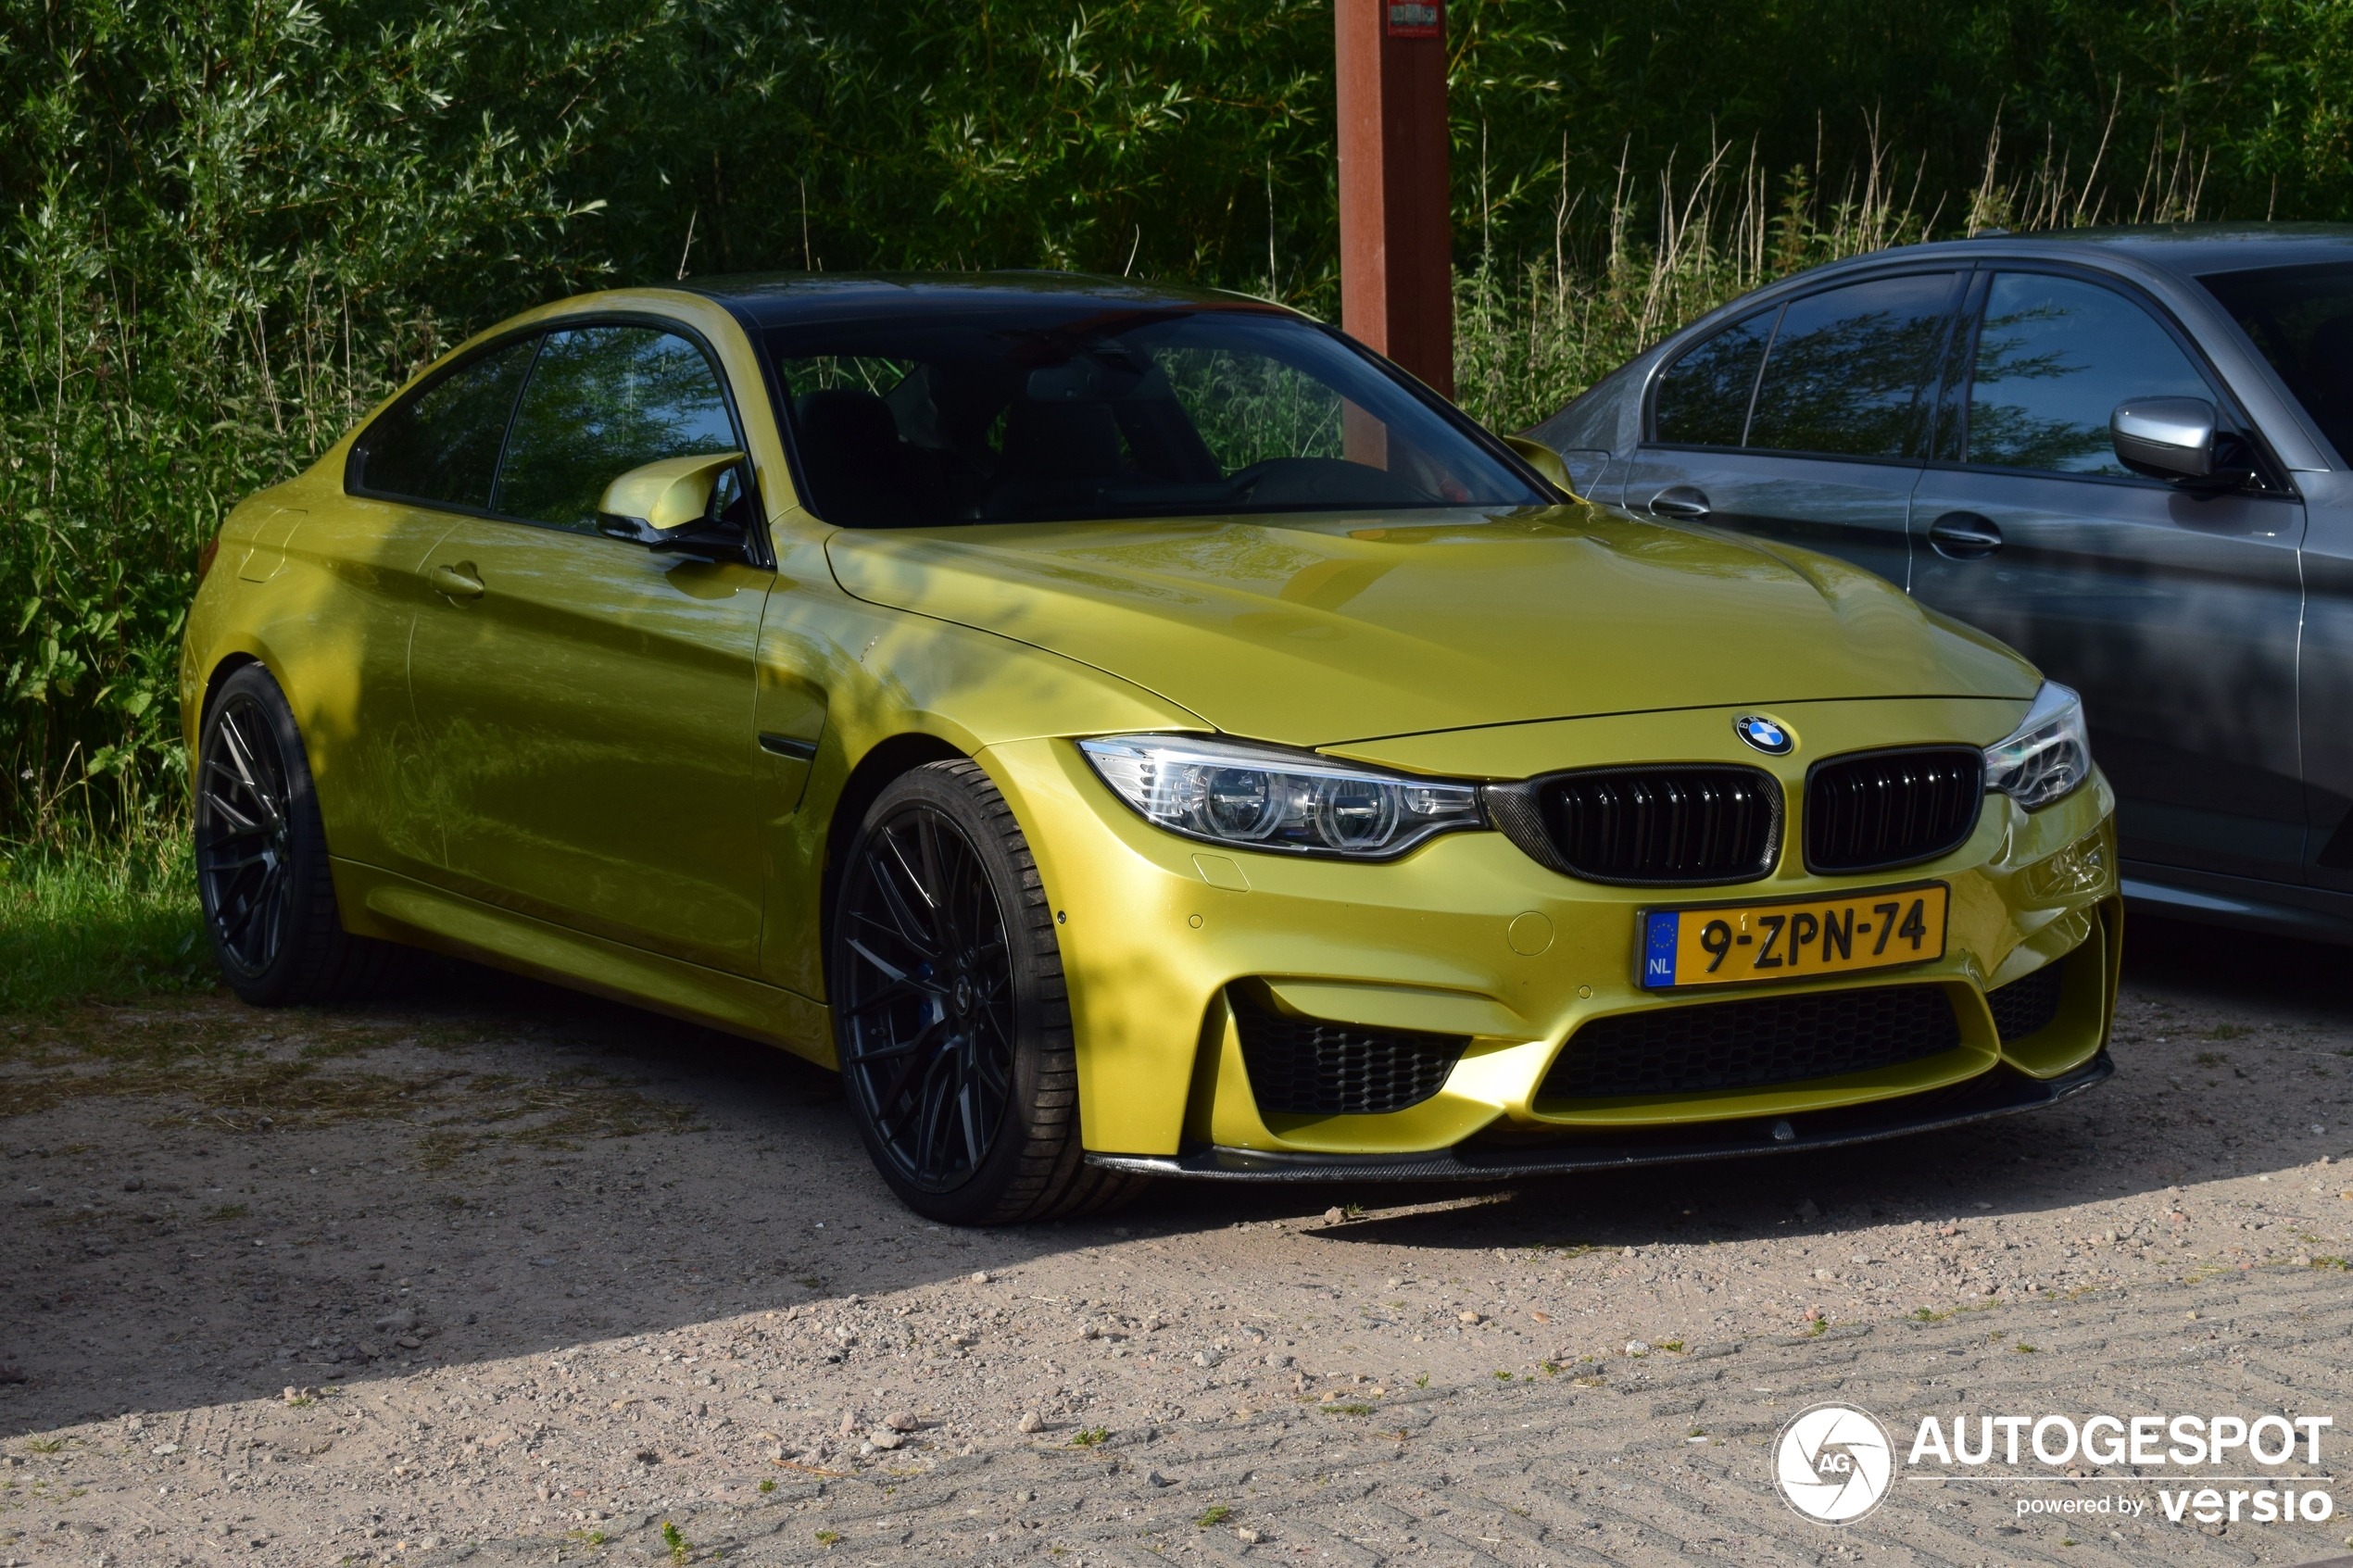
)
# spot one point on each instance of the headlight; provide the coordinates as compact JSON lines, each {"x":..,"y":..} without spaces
{"x":1294,"y":802}
{"x":2048,"y":755}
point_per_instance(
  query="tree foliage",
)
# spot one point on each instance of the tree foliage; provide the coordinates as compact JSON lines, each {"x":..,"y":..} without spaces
{"x":226,"y":230}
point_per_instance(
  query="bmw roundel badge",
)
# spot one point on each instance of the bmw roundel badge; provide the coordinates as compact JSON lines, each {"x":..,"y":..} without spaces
{"x":1765,"y":735}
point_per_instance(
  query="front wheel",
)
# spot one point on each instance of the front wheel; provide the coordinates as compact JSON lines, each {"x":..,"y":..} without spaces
{"x":263,"y":876}
{"x":950,"y":1013}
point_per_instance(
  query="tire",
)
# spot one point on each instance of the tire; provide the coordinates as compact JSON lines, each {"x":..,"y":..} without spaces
{"x":262,"y":875}
{"x":950,"y":1013}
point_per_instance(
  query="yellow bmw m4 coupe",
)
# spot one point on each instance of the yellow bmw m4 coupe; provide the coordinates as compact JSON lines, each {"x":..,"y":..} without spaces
{"x":1126,"y":732}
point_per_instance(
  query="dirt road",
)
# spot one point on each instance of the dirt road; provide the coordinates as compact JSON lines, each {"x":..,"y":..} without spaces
{"x":543,"y":1275}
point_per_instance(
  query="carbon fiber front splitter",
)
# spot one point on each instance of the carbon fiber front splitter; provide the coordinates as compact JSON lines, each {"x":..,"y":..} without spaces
{"x":2002,"y":1092}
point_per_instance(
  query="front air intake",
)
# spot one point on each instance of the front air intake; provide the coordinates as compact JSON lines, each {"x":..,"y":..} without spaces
{"x":2028,"y":1005}
{"x":1314,"y":1067}
{"x":1669,"y":825}
{"x":1877,"y":809}
{"x":1753,"y":1043}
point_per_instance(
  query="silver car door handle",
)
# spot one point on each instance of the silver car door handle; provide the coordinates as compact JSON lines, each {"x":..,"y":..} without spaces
{"x":1964,"y":536}
{"x":1681,"y":501}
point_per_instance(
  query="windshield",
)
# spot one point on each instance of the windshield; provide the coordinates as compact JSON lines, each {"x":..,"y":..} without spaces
{"x":2302,"y":320}
{"x":1035,"y":414}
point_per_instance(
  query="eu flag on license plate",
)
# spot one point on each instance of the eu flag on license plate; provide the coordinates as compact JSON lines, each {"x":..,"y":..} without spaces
{"x":1661,"y":929}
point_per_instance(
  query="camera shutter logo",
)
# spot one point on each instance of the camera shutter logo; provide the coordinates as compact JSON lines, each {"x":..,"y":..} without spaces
{"x":1833,"y":1463}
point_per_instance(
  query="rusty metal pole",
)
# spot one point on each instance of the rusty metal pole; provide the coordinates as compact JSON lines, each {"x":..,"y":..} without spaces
{"x":1396,"y":227}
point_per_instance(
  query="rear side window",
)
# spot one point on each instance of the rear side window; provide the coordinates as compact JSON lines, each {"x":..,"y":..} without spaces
{"x":2055,"y":356}
{"x":440,"y":443}
{"x":601,"y":401}
{"x":1850,"y":368}
{"x":1704,"y":397}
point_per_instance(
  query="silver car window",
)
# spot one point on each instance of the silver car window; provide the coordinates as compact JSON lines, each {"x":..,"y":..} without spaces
{"x":1850,"y":368}
{"x":2054,"y":358}
{"x":2301,"y":317}
{"x":1703,"y":400}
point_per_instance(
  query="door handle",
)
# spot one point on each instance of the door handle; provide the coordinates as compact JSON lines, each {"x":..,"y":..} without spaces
{"x":1681,"y":501}
{"x":457,"y":581}
{"x":1964,"y":536}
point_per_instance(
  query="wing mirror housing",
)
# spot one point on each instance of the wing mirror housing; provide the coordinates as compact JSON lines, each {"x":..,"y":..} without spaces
{"x":673,"y":507}
{"x":1544,"y":460}
{"x":2178,"y":438}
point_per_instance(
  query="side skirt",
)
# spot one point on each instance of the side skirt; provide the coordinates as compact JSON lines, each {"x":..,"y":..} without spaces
{"x":2002,"y":1092}
{"x":392,"y":907}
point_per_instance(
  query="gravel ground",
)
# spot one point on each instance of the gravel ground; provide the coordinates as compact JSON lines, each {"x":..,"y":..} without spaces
{"x":523,"y":1276}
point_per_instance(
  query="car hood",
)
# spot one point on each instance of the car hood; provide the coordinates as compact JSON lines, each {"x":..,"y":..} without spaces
{"x":1311,"y":629}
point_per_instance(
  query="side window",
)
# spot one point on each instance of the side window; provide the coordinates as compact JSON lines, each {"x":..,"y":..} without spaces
{"x":441,"y":443}
{"x":2055,"y":356}
{"x":601,"y":401}
{"x":1702,"y":399}
{"x":1850,"y":368}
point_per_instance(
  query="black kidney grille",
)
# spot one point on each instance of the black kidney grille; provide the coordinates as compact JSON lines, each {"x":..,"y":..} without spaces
{"x":1314,"y":1067}
{"x":1670,"y":825}
{"x":2027,"y":1004}
{"x":1753,"y":1043}
{"x":1887,"y":808}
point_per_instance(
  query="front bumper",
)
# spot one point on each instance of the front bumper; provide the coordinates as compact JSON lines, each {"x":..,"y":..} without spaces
{"x":1470,"y":936}
{"x":2000,"y":1092}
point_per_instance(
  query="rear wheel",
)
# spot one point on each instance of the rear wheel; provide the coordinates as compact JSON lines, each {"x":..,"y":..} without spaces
{"x":950,"y":1013}
{"x":262,"y":875}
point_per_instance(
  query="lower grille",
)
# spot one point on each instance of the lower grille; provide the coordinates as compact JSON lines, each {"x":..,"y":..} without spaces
{"x":2027,"y":1004}
{"x":1314,"y":1067}
{"x":1667,"y":825}
{"x":1882,"y":809}
{"x":1753,"y":1043}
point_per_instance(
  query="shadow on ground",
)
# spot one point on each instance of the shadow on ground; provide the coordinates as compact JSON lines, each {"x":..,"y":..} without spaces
{"x":205,"y":1202}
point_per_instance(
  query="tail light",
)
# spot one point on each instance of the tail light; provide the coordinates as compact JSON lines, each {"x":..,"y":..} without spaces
{"x":203,"y":556}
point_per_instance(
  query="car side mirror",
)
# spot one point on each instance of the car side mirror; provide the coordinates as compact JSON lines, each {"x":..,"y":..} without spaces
{"x":2176,"y":438}
{"x":673,"y":507}
{"x":1544,"y":460}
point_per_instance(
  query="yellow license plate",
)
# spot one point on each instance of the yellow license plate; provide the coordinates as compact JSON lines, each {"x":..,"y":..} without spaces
{"x":1796,"y":940}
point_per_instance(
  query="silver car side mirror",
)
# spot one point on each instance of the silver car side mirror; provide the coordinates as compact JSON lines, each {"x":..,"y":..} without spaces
{"x":2165,"y":437}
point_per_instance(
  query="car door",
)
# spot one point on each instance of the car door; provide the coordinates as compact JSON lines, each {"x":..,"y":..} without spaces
{"x":1804,"y":421}
{"x":2174,"y":614}
{"x":413,"y":472}
{"x":587,"y":705}
{"x":2300,"y":318}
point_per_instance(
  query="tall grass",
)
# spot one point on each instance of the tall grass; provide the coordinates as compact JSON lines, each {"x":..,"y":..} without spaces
{"x":1532,"y":333}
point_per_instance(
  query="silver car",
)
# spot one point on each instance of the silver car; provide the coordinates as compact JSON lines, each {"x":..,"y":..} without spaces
{"x":2124,"y":452}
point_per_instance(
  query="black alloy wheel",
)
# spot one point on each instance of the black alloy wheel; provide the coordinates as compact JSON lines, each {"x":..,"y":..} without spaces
{"x":244,"y":835}
{"x":951,"y":1018}
{"x":263,"y":880}
{"x":928,"y":1009}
